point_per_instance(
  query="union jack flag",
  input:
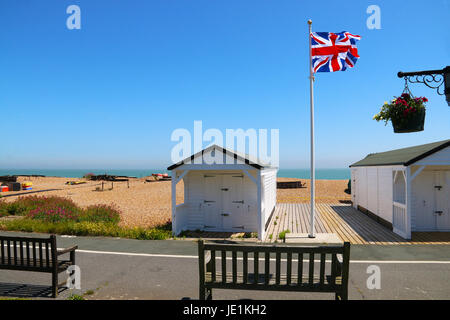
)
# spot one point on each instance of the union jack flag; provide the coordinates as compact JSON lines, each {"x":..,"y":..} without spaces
{"x":332,"y":52}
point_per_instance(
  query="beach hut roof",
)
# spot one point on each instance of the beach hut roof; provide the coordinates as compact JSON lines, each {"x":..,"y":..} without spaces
{"x":404,"y":156}
{"x":241,"y":157}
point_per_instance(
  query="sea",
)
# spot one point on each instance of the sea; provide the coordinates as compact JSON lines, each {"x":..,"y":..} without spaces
{"x":321,"y":174}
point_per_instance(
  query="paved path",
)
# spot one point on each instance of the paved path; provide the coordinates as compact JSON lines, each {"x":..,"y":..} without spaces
{"x":346,"y":222}
{"x":138,"y":269}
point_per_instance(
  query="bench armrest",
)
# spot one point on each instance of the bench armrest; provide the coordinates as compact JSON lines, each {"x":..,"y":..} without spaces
{"x":66,"y":250}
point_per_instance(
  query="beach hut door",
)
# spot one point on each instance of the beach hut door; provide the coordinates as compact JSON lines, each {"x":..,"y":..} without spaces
{"x":442,"y":202}
{"x":232,"y":203}
{"x":211,"y":202}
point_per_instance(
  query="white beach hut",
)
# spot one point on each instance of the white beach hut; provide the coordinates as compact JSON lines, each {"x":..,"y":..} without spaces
{"x":406,"y":189}
{"x":223,"y":192}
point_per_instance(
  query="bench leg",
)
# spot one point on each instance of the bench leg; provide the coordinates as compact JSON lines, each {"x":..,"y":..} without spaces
{"x":208,"y":294}
{"x":202,"y":292}
{"x":205,"y":293}
{"x":54,"y":284}
{"x":344,"y":295}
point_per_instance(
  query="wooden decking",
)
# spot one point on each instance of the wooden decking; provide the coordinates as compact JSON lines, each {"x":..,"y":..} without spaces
{"x":346,"y":222}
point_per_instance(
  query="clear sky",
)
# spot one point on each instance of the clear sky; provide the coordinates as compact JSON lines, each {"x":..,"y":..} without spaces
{"x":110,"y":94}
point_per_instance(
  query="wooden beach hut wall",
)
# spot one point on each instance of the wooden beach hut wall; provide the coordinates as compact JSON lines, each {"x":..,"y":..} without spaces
{"x":232,"y":194}
{"x":407,"y":189}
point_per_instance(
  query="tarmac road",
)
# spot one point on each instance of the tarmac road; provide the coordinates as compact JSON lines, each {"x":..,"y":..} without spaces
{"x":139,"y":269}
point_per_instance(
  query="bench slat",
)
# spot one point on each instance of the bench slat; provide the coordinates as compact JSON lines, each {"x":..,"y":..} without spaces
{"x":15,"y":252}
{"x":31,"y":239}
{"x":40,"y":254}
{"x":28,"y":253}
{"x":47,"y":266}
{"x":267,"y":268}
{"x":2,"y":252}
{"x":234,"y":265}
{"x":9,"y":251}
{"x":311,"y":268}
{"x":34,"y":253}
{"x":245,"y":267}
{"x":333,"y":266}
{"x":224,"y":266}
{"x":289,"y":268}
{"x":21,"y":252}
{"x":272,"y":281}
{"x":213,"y":265}
{"x":47,"y":254}
{"x":300,"y":268}
{"x":256,"y":266}
{"x":322,"y":268}
{"x":271,"y":248}
{"x":277,"y":267}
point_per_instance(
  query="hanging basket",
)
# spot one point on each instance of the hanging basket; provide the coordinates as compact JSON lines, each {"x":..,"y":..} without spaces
{"x":406,"y":112}
{"x":414,"y":123}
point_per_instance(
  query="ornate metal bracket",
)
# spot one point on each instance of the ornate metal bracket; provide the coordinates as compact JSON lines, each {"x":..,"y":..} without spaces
{"x":434,"y":79}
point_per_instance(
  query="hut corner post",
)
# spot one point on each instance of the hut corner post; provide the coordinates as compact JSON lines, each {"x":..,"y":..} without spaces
{"x":261,"y":218}
{"x":174,"y":202}
{"x":408,"y":202}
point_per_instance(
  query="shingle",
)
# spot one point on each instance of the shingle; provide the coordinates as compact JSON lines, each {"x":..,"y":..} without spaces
{"x":404,"y":156}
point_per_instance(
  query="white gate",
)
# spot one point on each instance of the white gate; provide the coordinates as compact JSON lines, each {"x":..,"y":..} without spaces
{"x":399,"y":219}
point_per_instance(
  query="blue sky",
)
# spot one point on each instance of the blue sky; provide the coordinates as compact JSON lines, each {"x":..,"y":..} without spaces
{"x":110,"y":95}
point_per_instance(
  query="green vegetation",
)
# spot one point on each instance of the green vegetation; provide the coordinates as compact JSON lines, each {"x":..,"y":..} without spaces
{"x":87,"y":229}
{"x":283,"y":233}
{"x":75,"y":297}
{"x":62,"y":216}
{"x":402,"y":109}
{"x":248,"y":235}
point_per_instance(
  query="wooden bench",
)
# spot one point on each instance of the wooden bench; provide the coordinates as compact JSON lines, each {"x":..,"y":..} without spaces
{"x":35,"y":254}
{"x":214,"y":275}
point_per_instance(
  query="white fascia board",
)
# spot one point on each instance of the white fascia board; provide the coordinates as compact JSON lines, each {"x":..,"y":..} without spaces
{"x":216,"y":167}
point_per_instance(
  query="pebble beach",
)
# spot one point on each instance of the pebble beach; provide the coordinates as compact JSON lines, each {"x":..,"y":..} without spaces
{"x":147,"y":204}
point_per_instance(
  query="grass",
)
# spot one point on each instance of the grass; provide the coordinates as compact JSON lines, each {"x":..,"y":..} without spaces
{"x":80,"y":297}
{"x":62,"y":216}
{"x":86,"y":228}
{"x":283,"y":233}
{"x":248,"y":235}
{"x":89,"y":292}
{"x":75,"y":297}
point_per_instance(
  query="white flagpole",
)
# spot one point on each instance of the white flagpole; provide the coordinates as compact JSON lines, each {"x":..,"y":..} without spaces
{"x":313,"y":174}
